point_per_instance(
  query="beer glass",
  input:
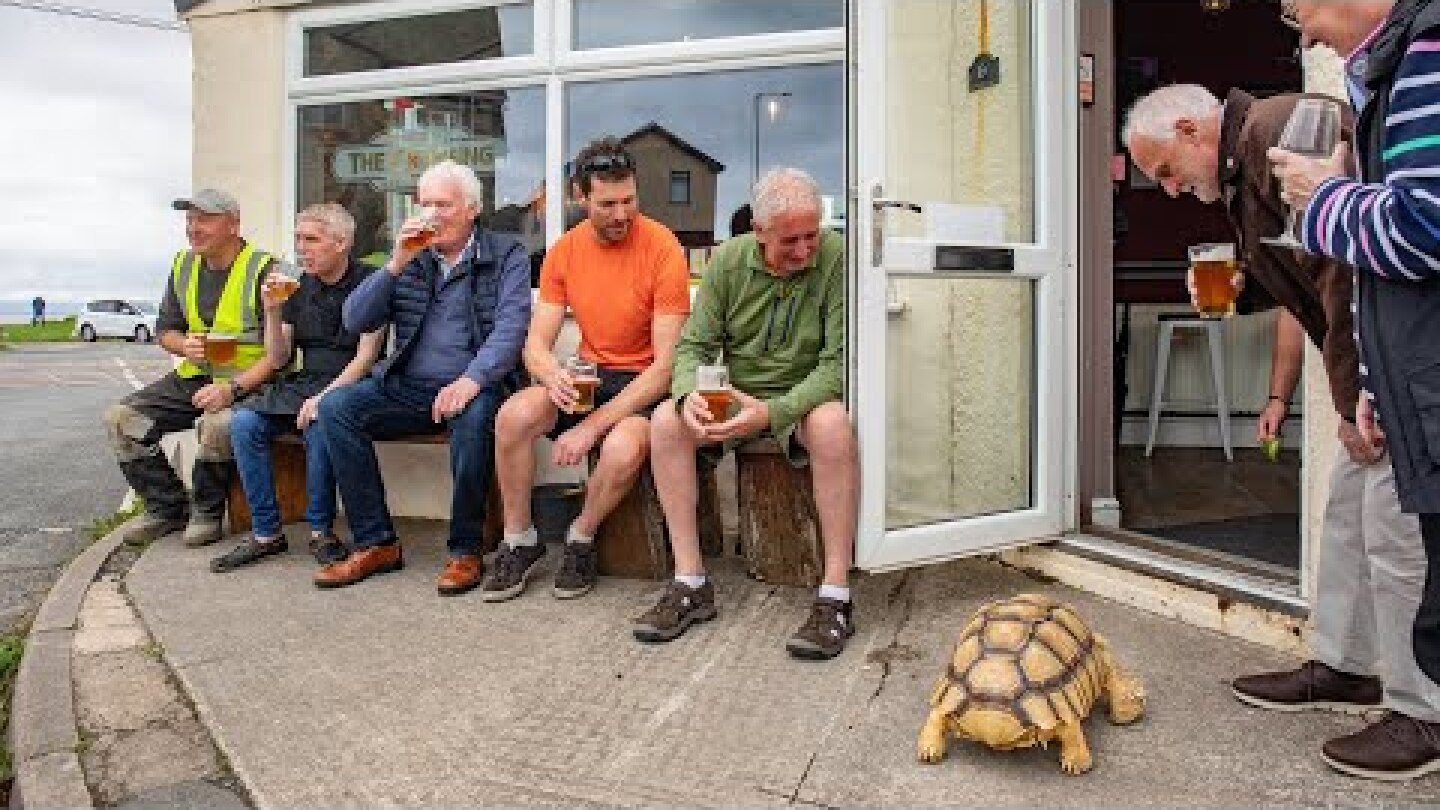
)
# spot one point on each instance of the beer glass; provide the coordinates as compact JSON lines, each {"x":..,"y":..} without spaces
{"x":1212,"y":276}
{"x":202,"y":335}
{"x":1312,"y":131}
{"x":585,"y":376}
{"x":712,"y":383}
{"x":426,"y":235}
{"x":220,"y":348}
{"x":288,"y":283}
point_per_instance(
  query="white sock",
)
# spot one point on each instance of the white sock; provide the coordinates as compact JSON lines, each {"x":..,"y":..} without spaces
{"x":689,"y":581}
{"x":838,"y":592}
{"x":573,"y":535}
{"x":529,"y":537}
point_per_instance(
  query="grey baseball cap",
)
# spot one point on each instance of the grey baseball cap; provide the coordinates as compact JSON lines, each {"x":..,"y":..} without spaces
{"x":208,"y":201}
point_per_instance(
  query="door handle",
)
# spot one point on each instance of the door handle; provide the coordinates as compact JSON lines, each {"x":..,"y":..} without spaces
{"x":878,"y":207}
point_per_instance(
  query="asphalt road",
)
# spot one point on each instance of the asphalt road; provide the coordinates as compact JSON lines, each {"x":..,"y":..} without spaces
{"x":57,"y":475}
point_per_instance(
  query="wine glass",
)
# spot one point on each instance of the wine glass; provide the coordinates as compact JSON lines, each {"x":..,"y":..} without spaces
{"x":1312,"y":131}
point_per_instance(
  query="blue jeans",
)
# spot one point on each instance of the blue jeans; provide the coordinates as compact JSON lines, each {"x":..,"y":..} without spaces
{"x":251,"y":433}
{"x":354,"y":417}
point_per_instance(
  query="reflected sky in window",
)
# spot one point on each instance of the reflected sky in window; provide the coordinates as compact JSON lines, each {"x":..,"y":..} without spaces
{"x":715,"y":114}
{"x":615,"y":23}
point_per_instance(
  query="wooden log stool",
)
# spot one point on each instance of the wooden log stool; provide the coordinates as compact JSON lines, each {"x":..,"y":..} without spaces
{"x":633,"y":541}
{"x":287,"y":455}
{"x":779,"y":530}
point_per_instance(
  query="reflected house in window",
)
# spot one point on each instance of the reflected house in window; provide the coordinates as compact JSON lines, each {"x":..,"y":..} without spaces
{"x":662,"y":157}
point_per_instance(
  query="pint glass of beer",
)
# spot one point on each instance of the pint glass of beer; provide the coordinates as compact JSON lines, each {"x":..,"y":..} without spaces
{"x":1212,"y":273}
{"x":585,"y":376}
{"x":425,"y":236}
{"x":220,"y":348}
{"x":286,"y":282}
{"x":712,"y":383}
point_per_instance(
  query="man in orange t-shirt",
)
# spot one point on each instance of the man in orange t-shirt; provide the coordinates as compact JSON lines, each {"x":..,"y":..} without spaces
{"x":625,"y":279}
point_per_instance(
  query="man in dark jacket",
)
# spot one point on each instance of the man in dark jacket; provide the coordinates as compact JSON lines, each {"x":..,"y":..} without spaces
{"x":1371,"y":559}
{"x":1387,"y":225}
{"x":460,"y":307}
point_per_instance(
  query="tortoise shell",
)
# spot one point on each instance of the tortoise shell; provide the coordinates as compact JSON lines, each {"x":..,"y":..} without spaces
{"x":1030,"y":656}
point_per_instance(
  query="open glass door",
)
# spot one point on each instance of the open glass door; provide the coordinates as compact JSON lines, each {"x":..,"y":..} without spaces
{"x":964,"y":185}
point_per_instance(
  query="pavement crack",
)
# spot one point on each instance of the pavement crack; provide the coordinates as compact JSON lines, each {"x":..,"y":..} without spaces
{"x":903,"y":595}
{"x":810,"y":763}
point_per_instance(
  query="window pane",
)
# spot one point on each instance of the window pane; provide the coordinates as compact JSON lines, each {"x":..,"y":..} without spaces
{"x":707,"y":125}
{"x":427,"y":39}
{"x":614,"y":23}
{"x":367,"y":155}
{"x":680,"y":187}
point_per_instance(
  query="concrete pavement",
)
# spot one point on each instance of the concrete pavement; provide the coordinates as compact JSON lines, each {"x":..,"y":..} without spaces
{"x":384,"y":693}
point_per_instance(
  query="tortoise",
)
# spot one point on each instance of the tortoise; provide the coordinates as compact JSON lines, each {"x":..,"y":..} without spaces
{"x":1026,"y":671}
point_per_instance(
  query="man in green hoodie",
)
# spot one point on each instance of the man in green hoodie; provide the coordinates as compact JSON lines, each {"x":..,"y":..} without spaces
{"x":772,"y":304}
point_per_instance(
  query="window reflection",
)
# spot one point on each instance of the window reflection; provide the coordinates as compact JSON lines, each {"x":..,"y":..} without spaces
{"x":426,"y":39}
{"x":706,"y":127}
{"x":367,"y":156}
{"x":614,"y":23}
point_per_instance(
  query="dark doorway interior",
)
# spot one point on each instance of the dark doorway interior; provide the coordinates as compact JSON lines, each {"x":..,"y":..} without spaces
{"x":1186,"y":492}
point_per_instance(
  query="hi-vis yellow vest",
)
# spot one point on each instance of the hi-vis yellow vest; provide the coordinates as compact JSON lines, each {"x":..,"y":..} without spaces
{"x":234,"y":313}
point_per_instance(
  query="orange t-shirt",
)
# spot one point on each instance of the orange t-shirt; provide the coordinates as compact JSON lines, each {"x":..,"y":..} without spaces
{"x":615,"y":291}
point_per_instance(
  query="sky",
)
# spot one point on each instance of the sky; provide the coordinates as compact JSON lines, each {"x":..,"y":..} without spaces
{"x":97,"y":143}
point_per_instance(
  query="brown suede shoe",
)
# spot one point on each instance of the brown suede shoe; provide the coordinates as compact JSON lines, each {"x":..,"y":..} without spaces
{"x":361,"y":564}
{"x":461,"y":574}
{"x":1395,"y":749}
{"x":1313,"y":686}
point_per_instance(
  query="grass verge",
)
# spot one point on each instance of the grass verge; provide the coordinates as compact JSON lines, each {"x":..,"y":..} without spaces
{"x":49,"y":332}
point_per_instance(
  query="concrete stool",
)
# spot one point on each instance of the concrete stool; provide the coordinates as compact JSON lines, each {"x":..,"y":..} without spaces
{"x":1214,"y":335}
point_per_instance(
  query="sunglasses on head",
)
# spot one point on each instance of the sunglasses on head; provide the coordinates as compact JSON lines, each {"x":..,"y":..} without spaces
{"x":605,"y":163}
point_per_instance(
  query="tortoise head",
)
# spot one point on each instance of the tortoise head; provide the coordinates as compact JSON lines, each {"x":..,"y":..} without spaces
{"x":1000,"y":730}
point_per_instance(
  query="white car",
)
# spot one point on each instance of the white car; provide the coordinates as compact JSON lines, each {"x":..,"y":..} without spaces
{"x":113,"y":317}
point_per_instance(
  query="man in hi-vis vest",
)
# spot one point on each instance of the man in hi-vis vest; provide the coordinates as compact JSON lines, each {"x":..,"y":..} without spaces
{"x":210,"y":318}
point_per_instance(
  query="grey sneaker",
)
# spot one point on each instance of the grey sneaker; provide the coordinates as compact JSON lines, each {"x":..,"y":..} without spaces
{"x":510,"y":571}
{"x":824,"y":632}
{"x":679,"y":607}
{"x":202,"y":532}
{"x":579,"y":568}
{"x":147,"y":528}
{"x":251,"y":550}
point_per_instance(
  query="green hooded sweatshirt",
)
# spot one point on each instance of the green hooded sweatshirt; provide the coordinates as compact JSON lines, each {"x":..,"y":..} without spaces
{"x":783,"y":339}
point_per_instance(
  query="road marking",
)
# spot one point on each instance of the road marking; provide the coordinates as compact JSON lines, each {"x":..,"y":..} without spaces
{"x":55,"y":530}
{"x":128,"y":374}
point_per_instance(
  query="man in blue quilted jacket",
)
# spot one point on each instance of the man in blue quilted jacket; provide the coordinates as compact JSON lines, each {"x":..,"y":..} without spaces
{"x":459,"y":299}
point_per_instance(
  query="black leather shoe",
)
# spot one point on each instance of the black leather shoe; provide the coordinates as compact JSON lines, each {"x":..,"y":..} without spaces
{"x":248,"y":552}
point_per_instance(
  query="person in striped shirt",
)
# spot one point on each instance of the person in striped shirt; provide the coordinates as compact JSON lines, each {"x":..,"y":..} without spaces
{"x":1386,"y":224}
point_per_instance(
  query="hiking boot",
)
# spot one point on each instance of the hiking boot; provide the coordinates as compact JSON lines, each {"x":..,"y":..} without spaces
{"x":327,"y":549}
{"x":1394,"y":749}
{"x":252,"y":550}
{"x":579,"y":568}
{"x":679,"y":607}
{"x":510,"y":571}
{"x":1313,"y":686}
{"x":824,"y":632}
{"x":202,"y":532}
{"x":147,"y":528}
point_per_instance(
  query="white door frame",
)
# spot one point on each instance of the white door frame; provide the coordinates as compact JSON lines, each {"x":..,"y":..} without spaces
{"x":1050,"y":260}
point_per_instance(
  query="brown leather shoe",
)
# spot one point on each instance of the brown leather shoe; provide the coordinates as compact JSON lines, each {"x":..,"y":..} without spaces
{"x":461,"y":574}
{"x":1313,"y":686}
{"x":361,"y":564}
{"x":1395,"y":749}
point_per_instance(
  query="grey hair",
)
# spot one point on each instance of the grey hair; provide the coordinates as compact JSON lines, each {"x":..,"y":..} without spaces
{"x":784,"y":190}
{"x":333,"y":217}
{"x":1154,"y":115}
{"x":462,"y":176}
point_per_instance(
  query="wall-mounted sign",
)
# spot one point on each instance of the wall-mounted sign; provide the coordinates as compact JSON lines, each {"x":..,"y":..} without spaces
{"x":394,"y":160}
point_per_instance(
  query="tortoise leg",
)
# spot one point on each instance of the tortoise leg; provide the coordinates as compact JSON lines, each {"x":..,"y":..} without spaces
{"x":1075,"y":756}
{"x":1123,"y":691}
{"x":931,"y":746}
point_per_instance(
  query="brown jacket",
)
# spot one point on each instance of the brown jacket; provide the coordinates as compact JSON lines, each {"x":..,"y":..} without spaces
{"x":1316,"y":290}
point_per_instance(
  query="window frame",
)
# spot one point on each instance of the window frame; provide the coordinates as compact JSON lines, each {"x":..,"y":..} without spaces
{"x":681,"y":174}
{"x":553,"y":65}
